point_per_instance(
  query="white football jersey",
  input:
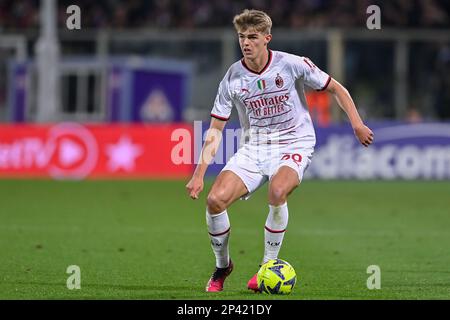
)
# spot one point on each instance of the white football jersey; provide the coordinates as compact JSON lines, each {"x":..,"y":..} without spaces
{"x":270,"y":108}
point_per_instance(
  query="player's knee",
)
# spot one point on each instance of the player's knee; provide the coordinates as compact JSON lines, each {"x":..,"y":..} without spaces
{"x":216,"y":202}
{"x":277,"y":195}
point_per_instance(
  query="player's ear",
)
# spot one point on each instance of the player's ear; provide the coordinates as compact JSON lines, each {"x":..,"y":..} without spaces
{"x":267,"y":37}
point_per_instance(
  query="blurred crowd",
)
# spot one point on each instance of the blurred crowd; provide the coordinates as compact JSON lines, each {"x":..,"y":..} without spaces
{"x":429,"y":81}
{"x":23,"y":14}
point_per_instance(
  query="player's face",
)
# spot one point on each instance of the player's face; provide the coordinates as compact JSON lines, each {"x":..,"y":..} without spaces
{"x":253,"y":43}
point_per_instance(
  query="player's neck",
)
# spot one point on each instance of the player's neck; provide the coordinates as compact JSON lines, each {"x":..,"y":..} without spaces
{"x":258,"y":63}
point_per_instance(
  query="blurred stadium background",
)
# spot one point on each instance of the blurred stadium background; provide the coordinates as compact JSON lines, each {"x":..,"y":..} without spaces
{"x":116,"y":98}
{"x":153,"y":62}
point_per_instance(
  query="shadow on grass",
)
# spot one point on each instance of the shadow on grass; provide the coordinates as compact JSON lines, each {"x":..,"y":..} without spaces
{"x":105,"y":291}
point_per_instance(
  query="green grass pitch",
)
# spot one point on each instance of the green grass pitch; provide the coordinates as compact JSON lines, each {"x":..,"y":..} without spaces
{"x":148,"y":240}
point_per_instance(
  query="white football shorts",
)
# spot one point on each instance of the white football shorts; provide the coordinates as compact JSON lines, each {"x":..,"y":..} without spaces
{"x":257,"y":164}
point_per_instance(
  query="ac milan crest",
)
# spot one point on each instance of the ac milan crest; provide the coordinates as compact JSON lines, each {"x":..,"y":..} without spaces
{"x":279,"y":81}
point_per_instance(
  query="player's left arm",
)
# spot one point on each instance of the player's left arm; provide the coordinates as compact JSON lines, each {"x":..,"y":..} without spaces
{"x":345,"y":101}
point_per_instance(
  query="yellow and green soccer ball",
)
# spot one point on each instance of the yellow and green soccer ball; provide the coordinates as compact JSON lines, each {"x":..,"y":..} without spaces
{"x":276,"y":277}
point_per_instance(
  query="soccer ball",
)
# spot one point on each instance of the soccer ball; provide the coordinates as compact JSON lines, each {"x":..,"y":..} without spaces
{"x":276,"y":277}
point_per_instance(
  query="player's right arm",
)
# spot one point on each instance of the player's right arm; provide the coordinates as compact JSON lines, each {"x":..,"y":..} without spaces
{"x":209,"y":150}
{"x":220,"y":114}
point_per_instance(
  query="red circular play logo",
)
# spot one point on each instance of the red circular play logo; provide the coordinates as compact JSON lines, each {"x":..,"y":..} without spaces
{"x":74,"y":151}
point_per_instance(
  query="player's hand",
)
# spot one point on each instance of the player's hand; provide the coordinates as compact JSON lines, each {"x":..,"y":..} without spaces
{"x":194,"y":187}
{"x":364,"y":135}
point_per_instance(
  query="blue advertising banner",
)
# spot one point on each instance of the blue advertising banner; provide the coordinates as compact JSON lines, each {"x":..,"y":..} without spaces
{"x":136,"y":89}
{"x":18,"y":91}
{"x":400,"y":151}
{"x":157,"y":96}
{"x":115,"y":95}
{"x":148,"y":90}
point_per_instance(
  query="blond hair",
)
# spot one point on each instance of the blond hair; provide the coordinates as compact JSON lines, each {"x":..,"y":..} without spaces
{"x":253,"y":19}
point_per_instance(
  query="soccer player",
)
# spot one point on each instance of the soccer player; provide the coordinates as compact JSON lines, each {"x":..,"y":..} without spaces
{"x":278,"y":140}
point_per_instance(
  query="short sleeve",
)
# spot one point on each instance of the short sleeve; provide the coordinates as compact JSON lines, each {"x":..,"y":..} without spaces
{"x":223,"y":102}
{"x":303,"y":68}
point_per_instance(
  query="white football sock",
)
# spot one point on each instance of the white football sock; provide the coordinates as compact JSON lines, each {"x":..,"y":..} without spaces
{"x":274,"y":230}
{"x":219,"y":232}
